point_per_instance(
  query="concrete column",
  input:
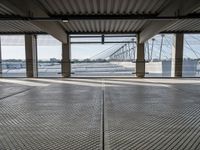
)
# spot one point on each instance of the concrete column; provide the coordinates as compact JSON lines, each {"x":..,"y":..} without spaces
{"x":177,"y":55}
{"x":1,"y":71}
{"x":66,"y":65}
{"x":140,"y":61}
{"x":31,"y":55}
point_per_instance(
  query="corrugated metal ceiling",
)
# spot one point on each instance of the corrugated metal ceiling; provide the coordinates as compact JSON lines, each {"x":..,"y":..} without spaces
{"x":5,"y":11}
{"x":66,"y":7}
{"x":95,"y":7}
{"x":104,"y":26}
{"x":189,"y":25}
{"x":18,"y":26}
{"x":197,"y":10}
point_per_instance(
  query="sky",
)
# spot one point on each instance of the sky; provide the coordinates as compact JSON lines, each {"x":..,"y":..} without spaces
{"x":48,"y":47}
{"x":46,"y":52}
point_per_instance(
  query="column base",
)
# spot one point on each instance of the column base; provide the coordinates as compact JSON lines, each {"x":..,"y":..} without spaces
{"x":140,"y":68}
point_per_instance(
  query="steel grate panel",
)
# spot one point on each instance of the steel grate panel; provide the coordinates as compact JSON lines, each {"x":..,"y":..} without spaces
{"x":8,"y":89}
{"x":151,"y":119}
{"x":49,"y":122}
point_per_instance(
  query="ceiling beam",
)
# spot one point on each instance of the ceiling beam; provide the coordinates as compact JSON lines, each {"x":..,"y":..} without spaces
{"x":27,"y":9}
{"x":175,"y":8}
{"x":98,"y":17}
{"x":53,"y":28}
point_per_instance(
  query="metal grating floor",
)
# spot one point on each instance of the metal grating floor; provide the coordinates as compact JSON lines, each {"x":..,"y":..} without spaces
{"x":95,"y":114}
{"x":54,"y":117}
{"x":152,"y":117}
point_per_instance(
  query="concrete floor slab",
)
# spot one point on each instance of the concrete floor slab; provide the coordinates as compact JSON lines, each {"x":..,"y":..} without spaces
{"x":112,"y":114}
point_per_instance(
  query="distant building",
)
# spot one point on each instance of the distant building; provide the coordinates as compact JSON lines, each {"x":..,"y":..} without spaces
{"x":54,"y":60}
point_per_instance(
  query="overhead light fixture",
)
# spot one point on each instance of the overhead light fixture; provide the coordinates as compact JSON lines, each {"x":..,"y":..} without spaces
{"x":65,"y":21}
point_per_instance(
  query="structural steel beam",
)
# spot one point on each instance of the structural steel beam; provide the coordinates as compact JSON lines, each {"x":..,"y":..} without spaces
{"x":100,"y":17}
{"x":176,"y":8}
{"x":99,"y":36}
{"x":101,"y":42}
{"x":92,"y":33}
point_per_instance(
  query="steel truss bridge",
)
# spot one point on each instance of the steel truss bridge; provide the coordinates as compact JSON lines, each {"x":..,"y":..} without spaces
{"x":156,"y":49}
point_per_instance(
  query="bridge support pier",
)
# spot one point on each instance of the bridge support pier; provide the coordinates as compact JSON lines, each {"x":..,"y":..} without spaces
{"x":177,"y":56}
{"x":140,"y":61}
{"x":31,"y":55}
{"x":65,"y":62}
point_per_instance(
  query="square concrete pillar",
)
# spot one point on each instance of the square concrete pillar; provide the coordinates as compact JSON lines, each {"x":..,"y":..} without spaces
{"x":1,"y":71}
{"x":140,"y":61}
{"x":31,"y":55}
{"x":177,"y":55}
{"x":66,"y":61}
